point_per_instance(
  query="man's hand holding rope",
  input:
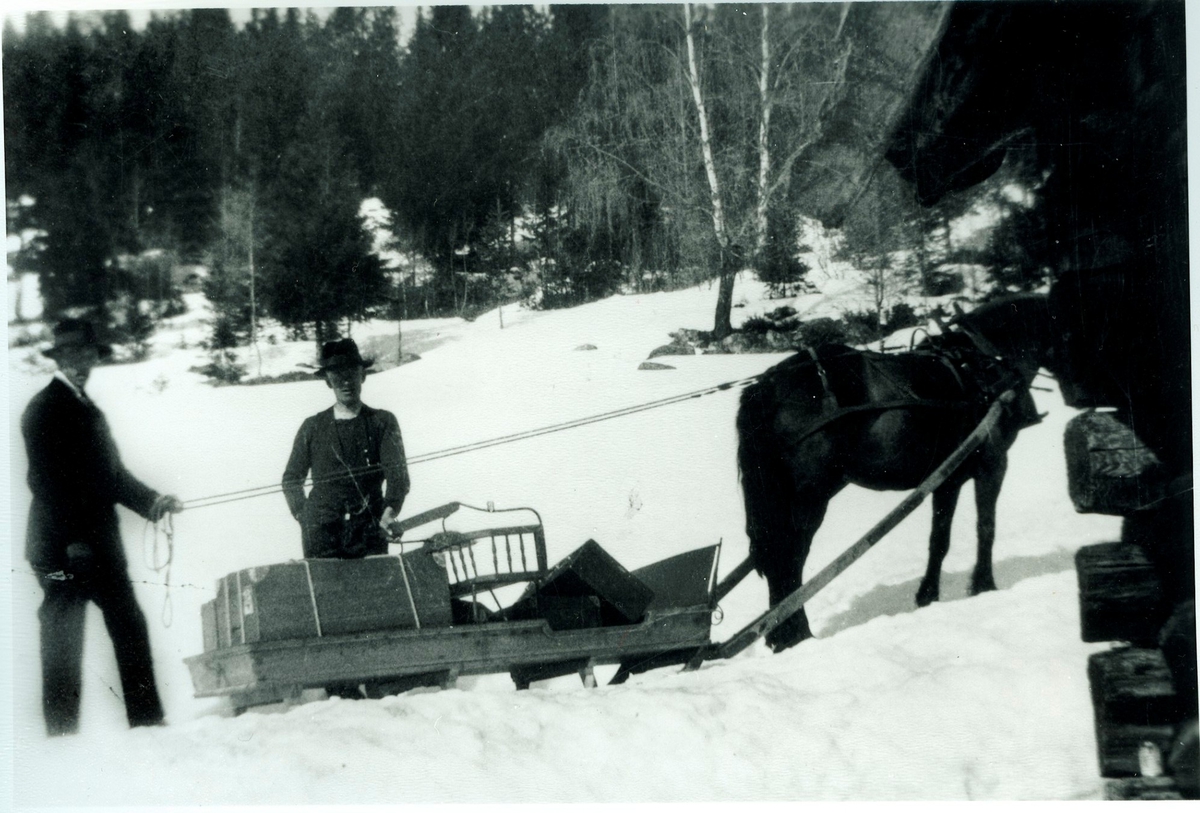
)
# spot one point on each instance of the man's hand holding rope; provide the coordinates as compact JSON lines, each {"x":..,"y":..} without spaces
{"x":165,"y":504}
{"x":159,"y":520}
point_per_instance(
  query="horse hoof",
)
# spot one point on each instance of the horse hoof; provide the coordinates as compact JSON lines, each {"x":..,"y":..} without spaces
{"x":780,"y":646}
{"x":925,"y":597}
{"x":983,"y":587}
{"x":782,"y":638}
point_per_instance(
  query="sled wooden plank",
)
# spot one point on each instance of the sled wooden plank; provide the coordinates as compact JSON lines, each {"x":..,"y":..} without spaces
{"x":790,"y":605}
{"x":471,"y":649}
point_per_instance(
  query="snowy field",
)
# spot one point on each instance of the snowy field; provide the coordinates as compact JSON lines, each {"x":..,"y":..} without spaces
{"x":971,"y":698}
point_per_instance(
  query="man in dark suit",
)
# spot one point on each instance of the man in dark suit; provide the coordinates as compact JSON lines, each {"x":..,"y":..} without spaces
{"x":73,"y":541}
{"x":351,"y":449}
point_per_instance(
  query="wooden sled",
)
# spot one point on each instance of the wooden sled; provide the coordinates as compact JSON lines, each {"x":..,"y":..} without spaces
{"x":585,"y":612}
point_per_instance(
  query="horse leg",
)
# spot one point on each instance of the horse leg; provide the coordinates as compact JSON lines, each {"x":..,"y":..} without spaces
{"x":945,"y":499}
{"x":786,"y":576}
{"x":987,"y":492}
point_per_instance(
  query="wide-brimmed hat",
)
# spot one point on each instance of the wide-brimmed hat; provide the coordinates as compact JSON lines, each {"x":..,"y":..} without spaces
{"x":339,"y":355}
{"x":72,"y":333}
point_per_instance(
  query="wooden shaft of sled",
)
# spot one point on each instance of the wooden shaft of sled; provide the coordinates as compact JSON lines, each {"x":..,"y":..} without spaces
{"x":790,"y":605}
{"x":733,"y":579}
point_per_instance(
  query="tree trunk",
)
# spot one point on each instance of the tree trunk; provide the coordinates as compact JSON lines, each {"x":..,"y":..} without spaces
{"x":706,"y":151}
{"x":923,"y":252}
{"x":253,"y":303}
{"x":18,"y":299}
{"x":399,"y":339}
{"x":721,"y":323}
{"x":729,"y":268}
{"x":764,"y":132}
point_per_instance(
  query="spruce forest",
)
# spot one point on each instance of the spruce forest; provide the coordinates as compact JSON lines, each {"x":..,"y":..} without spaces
{"x":552,"y":155}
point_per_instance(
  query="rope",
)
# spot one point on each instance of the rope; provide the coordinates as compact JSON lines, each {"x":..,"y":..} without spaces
{"x":228,"y":613}
{"x":241,"y":604}
{"x":166,"y":527}
{"x":312,"y":594}
{"x":408,"y":589}
{"x":263,"y":491}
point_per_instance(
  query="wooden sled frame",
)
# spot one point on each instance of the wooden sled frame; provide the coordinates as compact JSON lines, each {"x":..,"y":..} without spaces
{"x":675,"y":626}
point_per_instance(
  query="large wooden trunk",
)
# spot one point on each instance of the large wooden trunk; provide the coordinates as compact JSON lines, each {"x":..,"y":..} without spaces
{"x":319,"y":597}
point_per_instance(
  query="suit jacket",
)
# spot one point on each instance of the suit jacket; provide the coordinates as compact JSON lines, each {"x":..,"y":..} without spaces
{"x":316,"y":449}
{"x":77,"y":479}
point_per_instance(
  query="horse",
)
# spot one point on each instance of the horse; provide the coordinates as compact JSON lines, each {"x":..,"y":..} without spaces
{"x":831,"y":416}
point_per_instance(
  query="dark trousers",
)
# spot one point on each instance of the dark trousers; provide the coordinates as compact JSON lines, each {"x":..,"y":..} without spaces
{"x":62,"y":616}
{"x":351,"y":538}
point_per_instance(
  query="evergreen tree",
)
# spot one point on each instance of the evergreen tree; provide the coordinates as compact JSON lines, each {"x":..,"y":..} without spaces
{"x":55,"y":152}
{"x":317,"y":262}
{"x":434,"y":171}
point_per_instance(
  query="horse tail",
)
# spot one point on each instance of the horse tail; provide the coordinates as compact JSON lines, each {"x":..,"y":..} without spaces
{"x":768,"y":487}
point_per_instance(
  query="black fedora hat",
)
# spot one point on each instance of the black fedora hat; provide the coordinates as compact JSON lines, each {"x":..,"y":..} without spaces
{"x":340,"y":354}
{"x":74,"y":333}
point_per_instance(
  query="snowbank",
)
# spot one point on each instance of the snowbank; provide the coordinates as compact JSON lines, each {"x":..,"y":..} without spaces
{"x":971,"y":698}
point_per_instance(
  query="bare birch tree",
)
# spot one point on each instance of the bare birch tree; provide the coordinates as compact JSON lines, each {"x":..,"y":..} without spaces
{"x":755,"y":94}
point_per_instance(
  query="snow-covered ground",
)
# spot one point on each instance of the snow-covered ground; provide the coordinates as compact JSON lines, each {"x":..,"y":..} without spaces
{"x":971,"y":698}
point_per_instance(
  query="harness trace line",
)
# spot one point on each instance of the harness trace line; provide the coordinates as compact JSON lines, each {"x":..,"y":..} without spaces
{"x":263,"y":491}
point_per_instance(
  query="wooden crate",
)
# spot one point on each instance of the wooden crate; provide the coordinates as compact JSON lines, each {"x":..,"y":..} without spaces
{"x":1120,"y":595}
{"x":1135,"y":702}
{"x":319,"y":597}
{"x":1109,"y":469}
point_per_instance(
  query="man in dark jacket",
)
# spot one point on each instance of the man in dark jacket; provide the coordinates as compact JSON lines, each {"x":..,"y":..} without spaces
{"x":351,"y":449}
{"x":73,"y":541}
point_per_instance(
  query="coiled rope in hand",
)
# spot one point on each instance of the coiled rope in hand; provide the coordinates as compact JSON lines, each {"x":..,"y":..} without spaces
{"x":155,"y":559}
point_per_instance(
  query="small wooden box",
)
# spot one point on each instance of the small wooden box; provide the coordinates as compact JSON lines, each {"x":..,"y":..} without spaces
{"x":590,"y":571}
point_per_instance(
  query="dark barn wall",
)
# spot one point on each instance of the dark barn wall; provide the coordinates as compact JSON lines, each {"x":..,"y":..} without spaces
{"x":1096,"y":92}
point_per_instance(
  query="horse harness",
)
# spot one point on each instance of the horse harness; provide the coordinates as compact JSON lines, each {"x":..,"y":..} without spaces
{"x":981,"y":374}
